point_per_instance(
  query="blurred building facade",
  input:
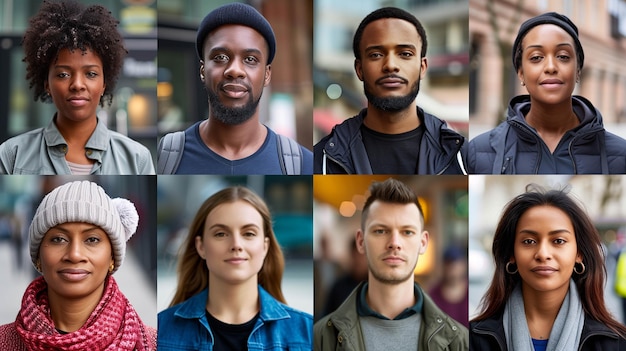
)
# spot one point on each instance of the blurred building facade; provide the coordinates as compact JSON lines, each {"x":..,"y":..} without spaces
{"x":493,"y":80}
{"x":287,"y":102}
{"x":339,"y":93}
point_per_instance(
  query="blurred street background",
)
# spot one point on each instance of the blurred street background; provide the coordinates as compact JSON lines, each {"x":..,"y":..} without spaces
{"x":289,"y":199}
{"x":603,"y":197}
{"x":20,"y":197}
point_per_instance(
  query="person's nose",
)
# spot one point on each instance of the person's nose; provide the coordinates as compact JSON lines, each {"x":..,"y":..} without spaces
{"x":77,"y":82}
{"x":235,"y":69}
{"x":75,"y":251}
{"x":395,"y":241}
{"x":543,"y":252}
{"x":550,"y":66}
{"x":391,"y":64}
{"x":236,"y":243}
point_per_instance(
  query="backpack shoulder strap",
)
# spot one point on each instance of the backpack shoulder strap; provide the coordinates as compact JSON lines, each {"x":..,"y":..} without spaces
{"x":289,"y":155}
{"x":170,"y":152}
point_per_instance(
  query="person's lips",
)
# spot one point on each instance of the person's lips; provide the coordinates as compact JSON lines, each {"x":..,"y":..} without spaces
{"x":551,"y":83}
{"x":391,"y":81}
{"x":78,"y":100}
{"x":234,"y":91}
{"x":73,"y":274}
{"x":392,"y":259}
{"x":236,"y":260}
{"x":544,"y":270}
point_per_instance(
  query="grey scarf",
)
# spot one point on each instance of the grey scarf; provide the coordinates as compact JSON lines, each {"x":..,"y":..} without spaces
{"x":565,"y":333}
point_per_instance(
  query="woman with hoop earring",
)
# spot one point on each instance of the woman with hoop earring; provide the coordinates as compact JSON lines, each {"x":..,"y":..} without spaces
{"x":548,"y":286}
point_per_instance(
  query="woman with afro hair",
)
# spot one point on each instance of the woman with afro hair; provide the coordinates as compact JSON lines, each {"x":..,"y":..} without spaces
{"x":74,"y":56}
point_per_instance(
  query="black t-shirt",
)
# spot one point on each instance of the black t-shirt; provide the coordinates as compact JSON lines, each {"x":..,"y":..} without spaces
{"x":392,"y":153}
{"x":230,"y":336}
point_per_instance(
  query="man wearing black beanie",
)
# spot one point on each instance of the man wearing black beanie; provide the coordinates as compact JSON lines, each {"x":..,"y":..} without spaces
{"x":236,"y":46}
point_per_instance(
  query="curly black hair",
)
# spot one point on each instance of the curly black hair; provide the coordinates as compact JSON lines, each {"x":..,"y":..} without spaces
{"x":71,"y":25}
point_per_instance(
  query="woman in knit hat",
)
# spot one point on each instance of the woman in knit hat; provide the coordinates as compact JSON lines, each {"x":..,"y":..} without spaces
{"x":77,"y":242}
{"x":548,"y":131}
{"x":547,"y":292}
{"x":229,"y":294}
{"x":74,"y":55}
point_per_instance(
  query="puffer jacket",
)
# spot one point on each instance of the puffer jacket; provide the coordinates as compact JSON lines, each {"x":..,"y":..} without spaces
{"x":442,"y":150}
{"x":488,"y":335}
{"x":341,"y":330}
{"x":514,"y":147}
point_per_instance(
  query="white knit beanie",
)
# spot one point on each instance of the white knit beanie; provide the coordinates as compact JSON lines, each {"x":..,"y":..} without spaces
{"x":84,"y":201}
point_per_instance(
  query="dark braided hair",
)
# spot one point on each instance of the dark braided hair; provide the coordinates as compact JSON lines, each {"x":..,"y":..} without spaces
{"x":71,"y":25}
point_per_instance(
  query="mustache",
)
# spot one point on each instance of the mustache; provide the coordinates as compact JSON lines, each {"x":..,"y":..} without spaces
{"x":404,"y":80}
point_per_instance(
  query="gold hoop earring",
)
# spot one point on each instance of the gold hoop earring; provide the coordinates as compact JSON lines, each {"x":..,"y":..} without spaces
{"x":506,"y":268}
{"x":111,"y":267}
{"x":582,"y":270}
{"x":38,"y":265}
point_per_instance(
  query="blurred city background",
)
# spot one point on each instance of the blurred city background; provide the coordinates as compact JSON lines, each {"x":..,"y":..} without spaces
{"x":289,"y":199}
{"x":493,"y":26}
{"x":19,"y":198}
{"x":603,"y":197}
{"x":338,"y":201}
{"x":134,"y":108}
{"x":338,"y":92}
{"x":287,"y":102}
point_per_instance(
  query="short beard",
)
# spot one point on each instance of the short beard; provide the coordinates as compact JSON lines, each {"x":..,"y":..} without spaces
{"x":390,"y":280}
{"x":231,"y":115}
{"x":393,"y":103}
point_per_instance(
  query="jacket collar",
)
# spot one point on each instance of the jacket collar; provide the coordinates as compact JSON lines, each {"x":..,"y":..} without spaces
{"x":98,"y":141}
{"x":346,"y":147}
{"x":434,"y":320}
{"x":195,"y":307}
{"x":584,"y":109}
{"x":493,"y":327}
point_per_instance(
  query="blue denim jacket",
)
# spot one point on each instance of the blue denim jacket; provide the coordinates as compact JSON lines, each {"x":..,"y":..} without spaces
{"x":279,"y":327}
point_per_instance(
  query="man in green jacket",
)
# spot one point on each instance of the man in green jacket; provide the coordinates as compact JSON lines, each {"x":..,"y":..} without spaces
{"x":390,"y":311}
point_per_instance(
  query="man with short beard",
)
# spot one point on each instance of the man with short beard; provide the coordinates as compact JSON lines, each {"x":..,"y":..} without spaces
{"x":392,"y":135}
{"x":236,"y":46}
{"x":390,"y":311}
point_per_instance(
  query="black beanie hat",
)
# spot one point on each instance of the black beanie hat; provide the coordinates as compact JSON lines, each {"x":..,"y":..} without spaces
{"x":236,"y":13}
{"x":549,"y":18}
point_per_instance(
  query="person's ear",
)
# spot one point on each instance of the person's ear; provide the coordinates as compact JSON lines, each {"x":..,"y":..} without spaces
{"x":423,"y":67}
{"x":268,"y":75}
{"x":520,"y":75}
{"x":202,"y":71}
{"x":358,"y":68}
{"x":360,"y":242}
{"x":200,"y":247}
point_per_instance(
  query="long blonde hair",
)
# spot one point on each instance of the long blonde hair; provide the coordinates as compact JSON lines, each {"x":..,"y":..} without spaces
{"x":193,"y":274}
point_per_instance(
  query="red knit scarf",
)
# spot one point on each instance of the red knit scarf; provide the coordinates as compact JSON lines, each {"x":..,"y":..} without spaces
{"x":113,"y":325}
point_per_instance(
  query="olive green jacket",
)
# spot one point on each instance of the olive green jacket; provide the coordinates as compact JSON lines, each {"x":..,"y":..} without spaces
{"x":341,"y":331}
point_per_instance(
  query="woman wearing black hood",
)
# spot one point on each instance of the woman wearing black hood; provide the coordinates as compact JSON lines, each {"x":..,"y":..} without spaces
{"x":548,"y":131}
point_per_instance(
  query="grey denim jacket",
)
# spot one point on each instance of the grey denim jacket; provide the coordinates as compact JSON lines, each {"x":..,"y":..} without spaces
{"x":42,"y":151}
